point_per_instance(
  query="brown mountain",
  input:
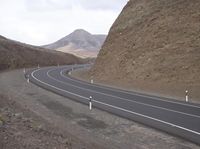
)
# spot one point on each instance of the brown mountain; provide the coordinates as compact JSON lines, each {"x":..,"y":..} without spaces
{"x":80,"y":43}
{"x":17,"y":55}
{"x":153,"y":45}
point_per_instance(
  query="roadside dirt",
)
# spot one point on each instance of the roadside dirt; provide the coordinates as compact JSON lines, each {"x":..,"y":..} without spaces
{"x":22,"y":129}
{"x":31,"y":117}
{"x":155,"y":89}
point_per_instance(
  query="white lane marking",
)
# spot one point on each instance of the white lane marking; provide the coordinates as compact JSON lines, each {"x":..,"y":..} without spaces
{"x":136,"y":94}
{"x":124,"y":99}
{"x":170,"y":124}
{"x":32,"y":74}
{"x":173,"y":125}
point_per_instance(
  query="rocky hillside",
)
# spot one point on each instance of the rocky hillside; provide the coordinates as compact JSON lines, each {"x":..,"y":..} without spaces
{"x":17,"y":55}
{"x":153,"y":44}
{"x":80,"y":43}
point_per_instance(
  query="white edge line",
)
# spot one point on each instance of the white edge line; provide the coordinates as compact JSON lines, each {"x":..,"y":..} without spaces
{"x":54,"y":86}
{"x":192,"y":115}
{"x":173,"y":125}
{"x":109,"y":88}
{"x":170,"y":124}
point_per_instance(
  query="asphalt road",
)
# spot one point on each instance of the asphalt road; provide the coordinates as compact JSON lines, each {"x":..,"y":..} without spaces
{"x":174,"y":117}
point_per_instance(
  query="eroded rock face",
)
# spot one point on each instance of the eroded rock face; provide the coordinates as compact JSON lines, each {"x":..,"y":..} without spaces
{"x":153,"y":41}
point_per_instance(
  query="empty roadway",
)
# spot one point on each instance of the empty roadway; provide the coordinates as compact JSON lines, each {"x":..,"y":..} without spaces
{"x":175,"y":117}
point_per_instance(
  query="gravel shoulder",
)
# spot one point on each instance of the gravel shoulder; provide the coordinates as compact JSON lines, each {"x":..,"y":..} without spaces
{"x":177,"y":93}
{"x":31,"y":117}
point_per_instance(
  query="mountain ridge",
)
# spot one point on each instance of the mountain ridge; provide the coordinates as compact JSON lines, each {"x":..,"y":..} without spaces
{"x":19,"y":55}
{"x":79,"y":41}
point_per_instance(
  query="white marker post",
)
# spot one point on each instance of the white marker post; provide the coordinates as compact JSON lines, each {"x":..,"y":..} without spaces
{"x":24,"y":70}
{"x":90,"y":103}
{"x":92,"y":81}
{"x":186,"y":96}
{"x":38,"y":66}
{"x":28,"y":79}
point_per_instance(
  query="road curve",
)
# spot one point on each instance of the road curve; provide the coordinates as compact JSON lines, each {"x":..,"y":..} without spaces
{"x":175,"y":117}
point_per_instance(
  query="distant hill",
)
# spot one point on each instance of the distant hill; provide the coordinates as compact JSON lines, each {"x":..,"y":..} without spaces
{"x":14,"y":54}
{"x":80,"y":43}
{"x":153,"y":44}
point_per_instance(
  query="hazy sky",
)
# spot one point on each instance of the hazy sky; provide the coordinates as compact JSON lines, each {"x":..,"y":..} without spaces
{"x":41,"y":22}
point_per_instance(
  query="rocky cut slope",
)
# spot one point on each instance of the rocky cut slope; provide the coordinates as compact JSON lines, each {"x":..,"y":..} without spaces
{"x":17,"y":55}
{"x":153,"y":44}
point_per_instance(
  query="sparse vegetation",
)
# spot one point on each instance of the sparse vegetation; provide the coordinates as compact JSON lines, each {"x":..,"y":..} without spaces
{"x":1,"y":120}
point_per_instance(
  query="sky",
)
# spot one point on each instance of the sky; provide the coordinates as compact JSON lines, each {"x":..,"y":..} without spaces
{"x":40,"y":22}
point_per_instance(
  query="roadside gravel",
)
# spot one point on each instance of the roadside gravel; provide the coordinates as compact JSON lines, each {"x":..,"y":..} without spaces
{"x":83,"y":74}
{"x":78,"y":125}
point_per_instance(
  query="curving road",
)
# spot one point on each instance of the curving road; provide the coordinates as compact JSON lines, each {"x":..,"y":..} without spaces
{"x":175,"y":117}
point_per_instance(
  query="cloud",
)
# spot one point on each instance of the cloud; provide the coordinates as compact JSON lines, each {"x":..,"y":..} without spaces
{"x":41,"y":22}
{"x":102,"y":4}
{"x":43,"y":5}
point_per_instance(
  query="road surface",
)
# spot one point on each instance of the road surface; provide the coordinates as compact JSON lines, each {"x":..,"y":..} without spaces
{"x":175,"y":117}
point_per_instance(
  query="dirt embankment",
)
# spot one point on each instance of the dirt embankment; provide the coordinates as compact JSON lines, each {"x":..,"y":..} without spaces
{"x":21,"y":129}
{"x":17,"y":55}
{"x":153,"y":46}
